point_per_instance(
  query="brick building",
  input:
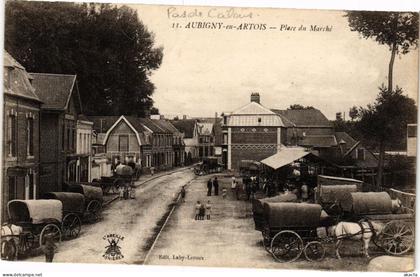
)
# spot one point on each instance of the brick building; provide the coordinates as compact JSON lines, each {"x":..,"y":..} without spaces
{"x":252,"y":132}
{"x":60,"y":110}
{"x":21,"y":114}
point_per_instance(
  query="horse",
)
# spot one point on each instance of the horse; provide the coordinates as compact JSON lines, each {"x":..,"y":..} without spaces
{"x":363,"y":231}
{"x":10,"y":239}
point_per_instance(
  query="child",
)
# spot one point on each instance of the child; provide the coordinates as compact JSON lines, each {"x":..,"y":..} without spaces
{"x":202,"y":211}
{"x":183,"y":194}
{"x":49,"y":248}
{"x":197,"y":210}
{"x":208,"y":210}
{"x":121,"y":192}
{"x":132,"y":193}
{"x":224,"y":192}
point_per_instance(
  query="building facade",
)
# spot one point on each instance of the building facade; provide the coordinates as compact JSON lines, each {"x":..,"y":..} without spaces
{"x":21,"y":115}
{"x":252,"y":132}
{"x":58,"y":129}
{"x":189,"y":130}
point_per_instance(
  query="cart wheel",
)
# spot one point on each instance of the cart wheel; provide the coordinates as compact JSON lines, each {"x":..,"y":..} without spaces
{"x":71,"y":226}
{"x":8,"y":250}
{"x":52,"y":230}
{"x":314,"y":251}
{"x":266,"y":239}
{"x":397,"y":238}
{"x":286,"y":246}
{"x":93,"y":211}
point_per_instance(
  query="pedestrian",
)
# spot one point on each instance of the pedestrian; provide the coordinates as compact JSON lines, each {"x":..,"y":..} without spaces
{"x":216,"y":186}
{"x":208,"y":209}
{"x":209,"y":185}
{"x":233,"y":185}
{"x":224,"y":192}
{"x":202,"y":211}
{"x":183,"y":194}
{"x":132,"y":193}
{"x":121,"y":192}
{"x":197,"y":210}
{"x":49,"y":248}
{"x":152,"y":170}
{"x":304,"y":192}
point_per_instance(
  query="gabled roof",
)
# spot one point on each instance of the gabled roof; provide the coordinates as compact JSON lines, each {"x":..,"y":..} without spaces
{"x":55,"y":90}
{"x":16,"y":80}
{"x":186,"y":126}
{"x":135,"y":126}
{"x":349,"y":143}
{"x":153,"y":125}
{"x":305,"y":117}
{"x":252,"y":108}
{"x":318,"y":141}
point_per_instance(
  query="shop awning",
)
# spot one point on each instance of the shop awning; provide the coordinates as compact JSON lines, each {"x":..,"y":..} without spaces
{"x":285,"y":156}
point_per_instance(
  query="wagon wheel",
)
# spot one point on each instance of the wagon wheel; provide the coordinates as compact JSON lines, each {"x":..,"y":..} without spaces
{"x":286,"y":246}
{"x":314,"y":251}
{"x":71,"y":226}
{"x":93,"y":211}
{"x":396,"y":238}
{"x":8,"y":250}
{"x":266,"y":239}
{"x":50,"y":230}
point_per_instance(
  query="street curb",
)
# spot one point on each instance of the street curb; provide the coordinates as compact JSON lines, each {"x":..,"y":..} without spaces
{"x":158,"y":176}
{"x":110,"y":201}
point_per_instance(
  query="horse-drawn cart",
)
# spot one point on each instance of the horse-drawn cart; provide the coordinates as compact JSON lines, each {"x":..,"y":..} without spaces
{"x":30,"y":222}
{"x":93,"y":201}
{"x":290,"y":229}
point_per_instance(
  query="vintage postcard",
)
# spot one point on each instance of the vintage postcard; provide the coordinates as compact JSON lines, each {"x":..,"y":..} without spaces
{"x":209,"y":136}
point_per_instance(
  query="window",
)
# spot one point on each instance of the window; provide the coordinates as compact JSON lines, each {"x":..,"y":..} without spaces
{"x":30,"y":138}
{"x":412,"y":131}
{"x":68,"y":139}
{"x":225,"y":138}
{"x":123,"y":143}
{"x":201,"y":140}
{"x":12,"y":135}
{"x":361,"y":154}
{"x":63,"y":137}
{"x":259,"y":119}
{"x":12,"y":188}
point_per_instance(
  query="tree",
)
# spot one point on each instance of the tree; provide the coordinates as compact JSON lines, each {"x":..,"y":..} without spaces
{"x":110,"y":50}
{"x":398,"y":30}
{"x":299,"y":107}
{"x":384,"y":122}
{"x":353,"y":113}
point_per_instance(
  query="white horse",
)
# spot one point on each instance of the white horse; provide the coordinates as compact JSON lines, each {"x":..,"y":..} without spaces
{"x":362,"y":231}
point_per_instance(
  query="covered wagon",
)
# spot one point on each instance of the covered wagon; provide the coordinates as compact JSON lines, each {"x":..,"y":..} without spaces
{"x":291,"y":229}
{"x":30,"y":222}
{"x":93,"y":200}
{"x":258,"y":207}
{"x":397,"y":235}
{"x":73,"y":210}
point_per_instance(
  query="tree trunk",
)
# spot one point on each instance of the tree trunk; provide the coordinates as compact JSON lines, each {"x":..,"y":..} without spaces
{"x":391,"y":66}
{"x":380,"y":165}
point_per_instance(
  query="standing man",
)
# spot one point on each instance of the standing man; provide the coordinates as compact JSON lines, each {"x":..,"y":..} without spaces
{"x":209,"y":185}
{"x":216,"y":186}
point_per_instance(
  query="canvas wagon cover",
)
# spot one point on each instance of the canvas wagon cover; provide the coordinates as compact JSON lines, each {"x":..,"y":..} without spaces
{"x":39,"y":210}
{"x":72,"y":201}
{"x":92,"y":192}
{"x":258,"y":204}
{"x":361,"y":203}
{"x":333,"y":193}
{"x":289,"y":215}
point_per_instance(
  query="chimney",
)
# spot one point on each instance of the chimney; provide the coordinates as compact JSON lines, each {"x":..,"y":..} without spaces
{"x":184,"y":117}
{"x":255,"y":97}
{"x":215,"y":118}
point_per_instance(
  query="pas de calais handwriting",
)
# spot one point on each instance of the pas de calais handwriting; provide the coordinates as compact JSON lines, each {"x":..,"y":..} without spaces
{"x":181,"y":257}
{"x":220,"y":13}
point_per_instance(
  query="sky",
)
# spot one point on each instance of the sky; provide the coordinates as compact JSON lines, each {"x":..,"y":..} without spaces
{"x":206,"y":71}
